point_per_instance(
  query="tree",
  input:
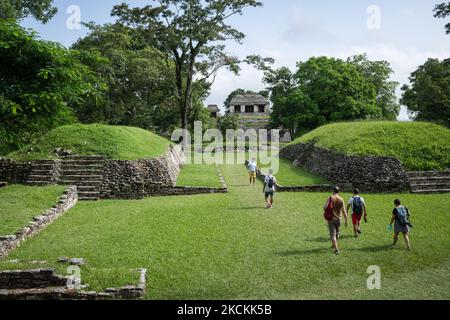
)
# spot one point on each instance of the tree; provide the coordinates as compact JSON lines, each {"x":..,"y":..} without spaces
{"x":191,"y":34}
{"x":428,"y":97}
{"x":378,"y":73}
{"x":39,"y":81}
{"x":41,"y":10}
{"x":442,"y":11}
{"x":139,"y":83}
{"x":228,"y":121}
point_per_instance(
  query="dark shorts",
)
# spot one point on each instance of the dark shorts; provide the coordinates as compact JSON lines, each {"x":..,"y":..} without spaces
{"x":401,"y":229}
{"x":269,"y":194}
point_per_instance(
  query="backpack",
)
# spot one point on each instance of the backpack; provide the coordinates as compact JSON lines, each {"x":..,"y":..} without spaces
{"x":403,"y":216}
{"x":357,"y":206}
{"x":329,"y":210}
{"x":271,"y":182}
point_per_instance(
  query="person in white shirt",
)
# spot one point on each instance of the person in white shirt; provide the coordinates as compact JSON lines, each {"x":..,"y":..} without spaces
{"x":270,"y":184}
{"x":359,"y":210}
{"x":252,"y":170}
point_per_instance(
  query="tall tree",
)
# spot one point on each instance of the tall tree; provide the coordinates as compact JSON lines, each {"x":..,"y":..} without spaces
{"x":39,"y":80}
{"x":378,"y":73}
{"x":41,"y":10}
{"x":442,"y":11}
{"x":428,"y":97}
{"x":191,"y":34}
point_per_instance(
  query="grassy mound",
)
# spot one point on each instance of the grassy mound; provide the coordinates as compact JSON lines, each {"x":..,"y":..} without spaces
{"x":114,"y":142}
{"x":418,"y":145}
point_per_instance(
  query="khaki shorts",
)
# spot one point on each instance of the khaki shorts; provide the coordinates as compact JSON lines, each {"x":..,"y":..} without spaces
{"x":334,"y":228}
{"x":252,"y":174}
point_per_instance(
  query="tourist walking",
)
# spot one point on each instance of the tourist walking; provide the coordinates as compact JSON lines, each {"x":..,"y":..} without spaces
{"x":252,"y":170}
{"x":270,"y":184}
{"x":359,"y":209}
{"x":334,"y":208}
{"x":401,"y":220}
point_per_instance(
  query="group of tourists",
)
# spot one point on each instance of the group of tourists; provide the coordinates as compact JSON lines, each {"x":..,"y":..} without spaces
{"x":335,"y":209}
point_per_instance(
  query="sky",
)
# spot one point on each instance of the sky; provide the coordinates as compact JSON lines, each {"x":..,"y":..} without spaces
{"x":403,"y":32}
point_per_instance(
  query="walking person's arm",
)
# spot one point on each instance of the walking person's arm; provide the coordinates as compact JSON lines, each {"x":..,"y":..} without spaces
{"x":345,"y":214}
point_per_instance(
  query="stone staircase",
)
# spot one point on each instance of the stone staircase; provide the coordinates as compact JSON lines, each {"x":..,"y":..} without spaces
{"x":85,"y":172}
{"x":44,"y":173}
{"x":430,"y":182}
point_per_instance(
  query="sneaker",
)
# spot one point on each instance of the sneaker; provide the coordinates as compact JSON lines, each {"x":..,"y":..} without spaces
{"x":359,"y":231}
{"x":337,"y":252}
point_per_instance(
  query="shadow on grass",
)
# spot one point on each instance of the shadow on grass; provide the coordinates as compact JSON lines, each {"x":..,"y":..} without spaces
{"x":248,"y":208}
{"x":303,"y":252}
{"x":384,"y":247}
{"x":327,"y":239}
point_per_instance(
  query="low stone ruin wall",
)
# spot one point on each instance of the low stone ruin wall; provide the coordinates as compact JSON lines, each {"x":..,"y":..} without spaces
{"x":140,"y":178}
{"x":45,"y":284}
{"x":369,"y":174}
{"x":10,"y":242}
{"x":14,"y":172}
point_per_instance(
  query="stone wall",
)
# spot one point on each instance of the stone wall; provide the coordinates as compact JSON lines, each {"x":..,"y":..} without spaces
{"x":45,"y":284}
{"x":10,"y":242}
{"x":137,"y":179}
{"x":14,"y":172}
{"x":369,"y":173}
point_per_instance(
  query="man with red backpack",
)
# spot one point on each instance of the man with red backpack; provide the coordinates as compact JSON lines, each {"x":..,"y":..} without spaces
{"x":359,"y":209}
{"x":334,"y":208}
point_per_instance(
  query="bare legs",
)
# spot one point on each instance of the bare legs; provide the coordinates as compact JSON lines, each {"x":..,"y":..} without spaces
{"x":406,"y":237}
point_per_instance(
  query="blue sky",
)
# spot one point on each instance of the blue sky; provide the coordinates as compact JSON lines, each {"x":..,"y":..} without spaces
{"x":294,"y":30}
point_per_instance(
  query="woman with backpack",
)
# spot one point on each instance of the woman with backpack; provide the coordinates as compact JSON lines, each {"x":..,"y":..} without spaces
{"x":401,"y":217}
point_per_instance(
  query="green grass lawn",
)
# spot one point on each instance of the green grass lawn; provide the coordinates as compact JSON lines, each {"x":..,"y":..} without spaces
{"x":19,"y":204}
{"x":227,"y":246}
{"x":199,"y":176}
{"x":114,"y":142}
{"x":292,"y":176}
{"x":418,"y":145}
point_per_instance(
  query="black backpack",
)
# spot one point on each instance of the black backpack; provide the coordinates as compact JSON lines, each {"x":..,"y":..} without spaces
{"x":271,"y":182}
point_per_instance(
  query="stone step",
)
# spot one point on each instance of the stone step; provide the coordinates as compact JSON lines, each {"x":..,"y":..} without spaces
{"x":82,"y":177}
{"x":98,"y":163}
{"x":82,"y":167}
{"x":91,"y":194}
{"x":38,"y":166}
{"x":431,"y":191}
{"x":430,"y":186}
{"x":76,"y":157}
{"x":419,"y":174}
{"x":33,"y":177}
{"x":40,"y":183}
{"x":90,"y":172}
{"x":422,"y":180}
{"x":78,"y":183}
{"x":40,"y":172}
{"x":44,"y":162}
{"x":88,"y":198}
{"x":87,"y":188}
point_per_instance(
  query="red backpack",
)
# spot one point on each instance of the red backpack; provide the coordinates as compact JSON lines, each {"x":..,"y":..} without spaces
{"x":329,"y":210}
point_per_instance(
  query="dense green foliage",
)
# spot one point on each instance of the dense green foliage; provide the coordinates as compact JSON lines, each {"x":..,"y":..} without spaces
{"x":41,"y":10}
{"x":323,"y":90}
{"x":192,"y":36}
{"x":442,"y":10}
{"x":139,"y":81}
{"x":114,"y":142}
{"x":229,"y":247}
{"x":19,"y":204}
{"x":419,"y":146}
{"x":39,"y":83}
{"x":428,"y":97}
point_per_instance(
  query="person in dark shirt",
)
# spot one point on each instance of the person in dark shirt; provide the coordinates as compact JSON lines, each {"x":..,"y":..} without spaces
{"x":400,"y":219}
